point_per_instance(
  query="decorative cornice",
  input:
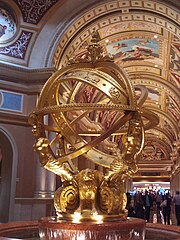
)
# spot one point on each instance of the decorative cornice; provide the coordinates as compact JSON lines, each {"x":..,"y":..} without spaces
{"x":11,"y":118}
{"x":141,"y":178}
{"x":155,"y":81}
{"x":23,"y":79}
{"x":166,"y":116}
{"x":165,"y":133}
{"x":26,"y":89}
{"x":158,"y":141}
{"x":23,"y":74}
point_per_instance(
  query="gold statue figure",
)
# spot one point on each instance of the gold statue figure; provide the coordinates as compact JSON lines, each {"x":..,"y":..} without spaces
{"x":88,"y":109}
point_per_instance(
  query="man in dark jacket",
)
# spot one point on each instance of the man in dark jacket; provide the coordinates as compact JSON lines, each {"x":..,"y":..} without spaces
{"x":176,"y":201}
{"x":166,"y":209}
{"x":148,"y":203}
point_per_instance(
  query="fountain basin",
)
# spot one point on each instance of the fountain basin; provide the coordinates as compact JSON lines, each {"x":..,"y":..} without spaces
{"x":122,"y":229}
{"x":30,"y":230}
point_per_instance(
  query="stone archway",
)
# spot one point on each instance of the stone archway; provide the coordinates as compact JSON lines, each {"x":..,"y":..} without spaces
{"x":8,"y":176}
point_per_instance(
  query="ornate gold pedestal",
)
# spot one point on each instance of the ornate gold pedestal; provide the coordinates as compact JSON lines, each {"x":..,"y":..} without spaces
{"x":122,"y":229}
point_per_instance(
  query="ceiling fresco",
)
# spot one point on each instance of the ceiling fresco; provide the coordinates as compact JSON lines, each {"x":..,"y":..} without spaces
{"x":148,"y":49}
{"x":7,"y":25}
{"x":142,"y":36}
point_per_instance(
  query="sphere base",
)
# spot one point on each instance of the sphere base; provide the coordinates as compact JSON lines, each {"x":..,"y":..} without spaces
{"x":123,"y":229}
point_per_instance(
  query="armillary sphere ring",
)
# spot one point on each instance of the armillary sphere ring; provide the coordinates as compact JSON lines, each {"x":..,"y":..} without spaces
{"x":87,"y":148}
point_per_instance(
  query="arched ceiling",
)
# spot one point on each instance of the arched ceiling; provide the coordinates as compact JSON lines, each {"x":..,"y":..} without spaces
{"x":143,"y":36}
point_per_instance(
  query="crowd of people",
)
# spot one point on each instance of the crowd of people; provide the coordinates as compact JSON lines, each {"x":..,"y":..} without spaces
{"x":141,"y":205}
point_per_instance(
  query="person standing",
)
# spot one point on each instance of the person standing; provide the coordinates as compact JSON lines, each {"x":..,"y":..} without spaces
{"x":130,"y":206}
{"x":148,"y":203}
{"x":139,"y":210}
{"x":166,"y":210}
{"x":158,"y":200}
{"x":176,"y":201}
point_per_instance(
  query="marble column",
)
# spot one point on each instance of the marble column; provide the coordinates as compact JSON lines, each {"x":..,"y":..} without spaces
{"x":51,"y":184}
{"x":50,"y":176}
{"x":175,"y":183}
{"x":45,"y":180}
{"x":178,"y":181}
{"x":40,"y":187}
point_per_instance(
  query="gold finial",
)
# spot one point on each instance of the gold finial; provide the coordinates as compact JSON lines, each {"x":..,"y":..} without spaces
{"x":94,"y":52}
{"x":95,"y":37}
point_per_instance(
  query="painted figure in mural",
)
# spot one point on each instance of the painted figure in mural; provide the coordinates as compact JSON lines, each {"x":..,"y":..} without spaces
{"x":2,"y":30}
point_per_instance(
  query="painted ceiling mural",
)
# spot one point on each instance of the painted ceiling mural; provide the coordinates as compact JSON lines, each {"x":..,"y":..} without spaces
{"x":149,"y":51}
{"x":142,"y":36}
{"x":7,"y":25}
{"x":135,"y":49}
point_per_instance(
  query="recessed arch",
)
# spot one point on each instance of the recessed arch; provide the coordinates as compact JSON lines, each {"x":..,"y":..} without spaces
{"x":8,"y":175}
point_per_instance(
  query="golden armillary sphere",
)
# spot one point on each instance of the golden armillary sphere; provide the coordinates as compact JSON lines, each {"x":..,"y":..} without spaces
{"x":88,"y":111}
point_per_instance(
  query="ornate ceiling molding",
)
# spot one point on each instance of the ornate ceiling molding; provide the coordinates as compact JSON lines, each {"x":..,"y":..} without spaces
{"x":18,"y":49}
{"x":161,"y":144}
{"x":109,"y":13}
{"x":14,"y":77}
{"x":34,"y":10}
{"x":155,"y":81}
{"x":167,"y":117}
